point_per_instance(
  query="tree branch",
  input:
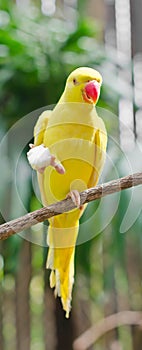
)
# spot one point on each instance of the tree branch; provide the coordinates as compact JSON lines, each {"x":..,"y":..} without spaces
{"x":30,"y":219}
{"x":90,"y":337}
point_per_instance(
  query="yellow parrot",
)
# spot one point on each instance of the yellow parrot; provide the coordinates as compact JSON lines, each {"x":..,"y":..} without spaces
{"x":68,"y":154}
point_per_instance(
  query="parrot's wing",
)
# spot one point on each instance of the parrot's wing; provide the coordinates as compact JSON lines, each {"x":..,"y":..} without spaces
{"x":39,"y":131}
{"x":40,"y":127}
{"x":100,"y":143}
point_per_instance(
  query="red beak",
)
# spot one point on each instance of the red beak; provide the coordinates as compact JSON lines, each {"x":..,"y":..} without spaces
{"x":91,"y":92}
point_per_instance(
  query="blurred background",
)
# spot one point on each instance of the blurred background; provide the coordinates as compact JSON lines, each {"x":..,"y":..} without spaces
{"x":41,"y":42}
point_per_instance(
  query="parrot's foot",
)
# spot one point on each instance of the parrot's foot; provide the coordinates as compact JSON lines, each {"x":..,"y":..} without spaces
{"x":40,"y":157}
{"x":58,"y":166}
{"x":75,"y":196}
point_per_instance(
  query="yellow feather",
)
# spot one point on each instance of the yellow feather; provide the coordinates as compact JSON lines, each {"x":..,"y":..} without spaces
{"x":75,"y":134}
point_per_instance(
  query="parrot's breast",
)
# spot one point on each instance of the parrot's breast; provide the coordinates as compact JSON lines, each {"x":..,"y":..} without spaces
{"x":70,"y":137}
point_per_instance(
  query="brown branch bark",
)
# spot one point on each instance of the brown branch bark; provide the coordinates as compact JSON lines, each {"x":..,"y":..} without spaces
{"x":91,"y":336}
{"x":30,"y":219}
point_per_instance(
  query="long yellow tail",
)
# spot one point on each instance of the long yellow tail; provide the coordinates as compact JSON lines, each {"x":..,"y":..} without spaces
{"x":60,"y":260}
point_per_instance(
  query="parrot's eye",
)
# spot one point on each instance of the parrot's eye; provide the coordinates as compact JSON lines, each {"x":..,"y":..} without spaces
{"x":75,"y":81}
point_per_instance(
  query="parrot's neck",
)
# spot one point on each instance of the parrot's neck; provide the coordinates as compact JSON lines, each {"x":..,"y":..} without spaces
{"x":76,"y":105}
{"x":69,"y":96}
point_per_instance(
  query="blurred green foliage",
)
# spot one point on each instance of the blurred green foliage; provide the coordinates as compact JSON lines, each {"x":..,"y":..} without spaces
{"x":36,"y":55}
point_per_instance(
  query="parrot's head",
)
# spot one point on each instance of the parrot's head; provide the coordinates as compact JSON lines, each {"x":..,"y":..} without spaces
{"x":83,"y":85}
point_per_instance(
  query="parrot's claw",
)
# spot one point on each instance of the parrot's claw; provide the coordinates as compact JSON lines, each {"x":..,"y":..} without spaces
{"x":41,"y":170}
{"x":58,"y":166}
{"x":75,"y":196}
{"x":31,"y":145}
